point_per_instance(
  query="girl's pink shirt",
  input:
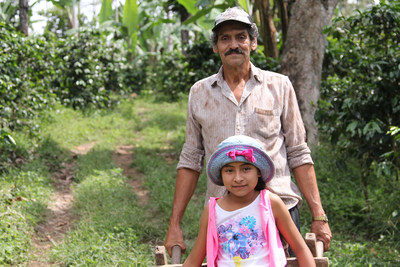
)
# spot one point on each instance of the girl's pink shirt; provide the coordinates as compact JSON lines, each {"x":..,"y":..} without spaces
{"x":274,"y":244}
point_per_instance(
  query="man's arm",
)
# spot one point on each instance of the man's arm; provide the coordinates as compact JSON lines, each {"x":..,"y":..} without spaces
{"x":185,"y":186}
{"x":307,"y":182}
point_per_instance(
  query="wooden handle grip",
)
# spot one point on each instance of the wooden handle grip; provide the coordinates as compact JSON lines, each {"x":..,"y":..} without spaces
{"x":176,"y":255}
{"x":320,"y":248}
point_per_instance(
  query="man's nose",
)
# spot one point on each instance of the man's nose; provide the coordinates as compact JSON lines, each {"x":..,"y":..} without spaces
{"x":234,"y":44}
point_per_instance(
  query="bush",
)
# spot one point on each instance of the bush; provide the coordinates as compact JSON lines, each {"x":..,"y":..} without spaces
{"x":26,"y":72}
{"x":360,"y":104}
{"x":88,"y":70}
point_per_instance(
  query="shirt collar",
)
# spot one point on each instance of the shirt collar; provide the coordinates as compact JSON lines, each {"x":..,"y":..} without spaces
{"x":219,"y":78}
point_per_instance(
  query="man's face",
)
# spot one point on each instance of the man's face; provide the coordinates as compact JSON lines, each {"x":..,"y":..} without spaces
{"x":234,"y":45}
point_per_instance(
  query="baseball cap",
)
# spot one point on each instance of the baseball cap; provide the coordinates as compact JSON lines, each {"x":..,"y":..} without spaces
{"x":233,"y":14}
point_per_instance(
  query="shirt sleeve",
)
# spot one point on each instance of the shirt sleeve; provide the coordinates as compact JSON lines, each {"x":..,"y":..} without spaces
{"x":298,"y":152}
{"x":192,"y":154}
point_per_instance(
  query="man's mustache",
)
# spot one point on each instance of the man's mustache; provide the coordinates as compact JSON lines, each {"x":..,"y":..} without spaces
{"x":234,"y":51}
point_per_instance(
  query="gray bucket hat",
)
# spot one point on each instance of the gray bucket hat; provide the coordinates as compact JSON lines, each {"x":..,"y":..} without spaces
{"x":233,"y":14}
{"x":243,"y":149}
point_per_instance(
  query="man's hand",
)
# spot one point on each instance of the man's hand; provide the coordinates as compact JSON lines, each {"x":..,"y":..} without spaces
{"x":184,"y":188}
{"x":323,"y":232}
{"x":174,"y":237}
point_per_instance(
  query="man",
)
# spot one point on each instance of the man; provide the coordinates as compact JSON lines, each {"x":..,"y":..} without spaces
{"x":242,"y":99}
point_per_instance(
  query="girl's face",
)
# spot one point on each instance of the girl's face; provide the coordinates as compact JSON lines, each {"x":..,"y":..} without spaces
{"x":240,"y":178}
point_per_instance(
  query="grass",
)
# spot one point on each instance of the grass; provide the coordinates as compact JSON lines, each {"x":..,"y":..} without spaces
{"x":112,"y":228}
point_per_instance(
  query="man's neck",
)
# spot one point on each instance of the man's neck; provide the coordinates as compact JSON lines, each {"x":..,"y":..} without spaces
{"x":236,"y":78}
{"x":236,"y":75}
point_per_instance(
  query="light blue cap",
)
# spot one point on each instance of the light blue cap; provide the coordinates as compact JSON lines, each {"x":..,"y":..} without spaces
{"x":235,"y":143}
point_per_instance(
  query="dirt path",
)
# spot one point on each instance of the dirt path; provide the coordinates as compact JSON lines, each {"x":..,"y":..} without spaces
{"x":123,"y":158}
{"x":59,"y":218}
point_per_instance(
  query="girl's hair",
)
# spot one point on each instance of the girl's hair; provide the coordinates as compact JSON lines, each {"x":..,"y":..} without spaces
{"x":260,"y":184}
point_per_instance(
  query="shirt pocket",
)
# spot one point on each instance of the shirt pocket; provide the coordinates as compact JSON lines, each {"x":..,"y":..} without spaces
{"x":266,"y":122}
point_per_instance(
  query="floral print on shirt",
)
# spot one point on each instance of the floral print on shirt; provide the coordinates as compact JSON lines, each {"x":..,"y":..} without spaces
{"x":240,"y":238}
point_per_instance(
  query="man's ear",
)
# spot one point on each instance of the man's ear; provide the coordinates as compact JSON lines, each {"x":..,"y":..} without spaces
{"x":215,"y":49}
{"x":254,"y":44}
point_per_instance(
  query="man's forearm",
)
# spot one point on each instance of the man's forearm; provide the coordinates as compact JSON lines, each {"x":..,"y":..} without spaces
{"x":307,"y":183}
{"x":185,"y":186}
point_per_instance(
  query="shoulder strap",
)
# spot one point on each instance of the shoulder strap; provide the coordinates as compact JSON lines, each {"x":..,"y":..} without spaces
{"x":212,"y":238}
{"x":276,"y":252}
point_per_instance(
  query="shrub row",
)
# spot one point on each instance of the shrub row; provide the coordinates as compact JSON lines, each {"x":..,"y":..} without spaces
{"x":81,"y":71}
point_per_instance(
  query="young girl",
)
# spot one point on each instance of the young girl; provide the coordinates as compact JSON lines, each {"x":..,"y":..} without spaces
{"x":241,"y":228}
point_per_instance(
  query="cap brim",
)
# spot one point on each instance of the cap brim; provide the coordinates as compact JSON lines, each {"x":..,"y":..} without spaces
{"x":219,"y":24}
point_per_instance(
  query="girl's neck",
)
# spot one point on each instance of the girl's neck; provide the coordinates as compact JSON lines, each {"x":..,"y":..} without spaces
{"x":232,"y":202}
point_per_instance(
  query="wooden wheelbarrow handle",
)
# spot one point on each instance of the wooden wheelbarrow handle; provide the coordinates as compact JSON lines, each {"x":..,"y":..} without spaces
{"x":316,"y":246}
{"x":176,"y":256}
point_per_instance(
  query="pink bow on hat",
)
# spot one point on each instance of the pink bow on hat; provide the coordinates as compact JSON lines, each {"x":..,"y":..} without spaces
{"x":248,"y":154}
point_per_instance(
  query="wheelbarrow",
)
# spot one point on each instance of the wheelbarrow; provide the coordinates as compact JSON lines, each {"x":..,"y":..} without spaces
{"x":316,"y":248}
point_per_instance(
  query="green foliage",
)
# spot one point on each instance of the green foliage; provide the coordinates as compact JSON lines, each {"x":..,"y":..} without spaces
{"x":361,"y":96}
{"x":130,"y":20}
{"x":58,"y":21}
{"x":8,"y":12}
{"x":88,"y":70}
{"x":106,"y":11}
{"x":266,"y":63}
{"x":27,"y":69}
{"x":332,"y":170}
{"x":338,"y":181}
{"x":353,"y":252}
{"x":360,"y":101}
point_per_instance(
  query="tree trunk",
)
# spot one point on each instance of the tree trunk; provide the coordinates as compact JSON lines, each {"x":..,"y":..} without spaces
{"x":75,"y":12}
{"x":24,"y":16}
{"x":303,"y":55}
{"x":116,"y":11}
{"x":184,"y":14}
{"x":284,"y":17}
{"x":268,"y":30}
